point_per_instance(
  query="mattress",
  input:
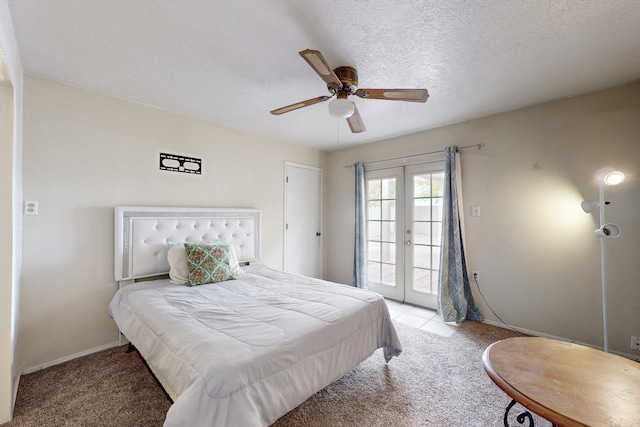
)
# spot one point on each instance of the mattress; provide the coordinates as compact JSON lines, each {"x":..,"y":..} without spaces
{"x":245,"y":352}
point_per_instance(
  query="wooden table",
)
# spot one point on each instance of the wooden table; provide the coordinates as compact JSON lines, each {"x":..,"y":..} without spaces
{"x":568,"y":384}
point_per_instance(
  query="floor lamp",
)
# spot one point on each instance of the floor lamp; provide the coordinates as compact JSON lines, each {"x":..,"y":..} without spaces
{"x":604,"y":231}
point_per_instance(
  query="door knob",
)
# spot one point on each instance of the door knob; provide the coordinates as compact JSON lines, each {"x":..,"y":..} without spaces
{"x":407,"y":242}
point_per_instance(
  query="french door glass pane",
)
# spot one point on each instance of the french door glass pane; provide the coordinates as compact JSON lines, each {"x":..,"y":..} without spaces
{"x":425,"y":280}
{"x":421,"y":209}
{"x":427,"y":233}
{"x":389,"y":210}
{"x":373,"y":189}
{"x":436,"y":233}
{"x":388,"y":253}
{"x":389,"y":188}
{"x":373,"y":209}
{"x":381,"y":230}
{"x":422,"y":185}
{"x":388,"y":231}
{"x":437,"y":184}
{"x":373,"y":228}
{"x":373,"y":271}
{"x":435,"y":258}
{"x":388,"y":274}
{"x":422,"y":233}
{"x":422,"y":280}
{"x":422,"y":256}
{"x":427,"y":229}
{"x":436,"y":209}
{"x":373,"y":251}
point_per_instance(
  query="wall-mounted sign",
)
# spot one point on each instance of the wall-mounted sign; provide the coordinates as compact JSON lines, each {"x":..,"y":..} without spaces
{"x":176,"y":163}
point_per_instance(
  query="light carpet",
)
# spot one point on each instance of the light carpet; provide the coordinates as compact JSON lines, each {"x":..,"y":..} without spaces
{"x":436,"y":381}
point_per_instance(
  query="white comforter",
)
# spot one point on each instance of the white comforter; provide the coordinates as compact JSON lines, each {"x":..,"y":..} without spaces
{"x":245,"y":352}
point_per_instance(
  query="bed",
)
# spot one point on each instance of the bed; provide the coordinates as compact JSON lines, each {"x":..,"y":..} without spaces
{"x":240,"y":352}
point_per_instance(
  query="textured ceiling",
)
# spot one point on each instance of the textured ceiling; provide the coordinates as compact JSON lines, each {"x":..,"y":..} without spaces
{"x":231,"y":62}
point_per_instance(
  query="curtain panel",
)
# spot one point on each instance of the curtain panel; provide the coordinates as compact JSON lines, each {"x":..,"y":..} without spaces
{"x":455,"y":300}
{"x":360,"y":241}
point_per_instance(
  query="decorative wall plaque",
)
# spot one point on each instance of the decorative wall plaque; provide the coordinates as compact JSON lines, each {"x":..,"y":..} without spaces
{"x":177,"y":163}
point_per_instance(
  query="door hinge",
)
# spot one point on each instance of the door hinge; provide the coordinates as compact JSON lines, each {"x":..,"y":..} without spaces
{"x":287,"y":179}
{"x":286,"y":226}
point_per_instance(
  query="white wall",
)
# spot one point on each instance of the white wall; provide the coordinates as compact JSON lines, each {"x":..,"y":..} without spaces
{"x":10,"y":219}
{"x":85,"y":153}
{"x":533,"y":245}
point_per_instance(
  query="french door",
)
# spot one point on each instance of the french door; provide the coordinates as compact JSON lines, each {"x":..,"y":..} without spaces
{"x":404,"y":228}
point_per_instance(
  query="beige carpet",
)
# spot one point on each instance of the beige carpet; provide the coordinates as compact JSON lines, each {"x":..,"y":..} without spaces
{"x":436,"y":381}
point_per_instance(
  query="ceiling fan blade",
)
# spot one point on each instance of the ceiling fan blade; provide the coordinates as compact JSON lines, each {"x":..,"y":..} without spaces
{"x":411,"y":95}
{"x":300,"y":104}
{"x":319,"y":64}
{"x":355,"y":121}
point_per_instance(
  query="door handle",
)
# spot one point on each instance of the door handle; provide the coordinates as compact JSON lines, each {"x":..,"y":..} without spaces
{"x":317,"y":234}
{"x":407,"y":242}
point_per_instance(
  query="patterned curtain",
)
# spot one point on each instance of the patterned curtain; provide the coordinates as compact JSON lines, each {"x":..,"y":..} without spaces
{"x":455,"y":301}
{"x":360,"y":247}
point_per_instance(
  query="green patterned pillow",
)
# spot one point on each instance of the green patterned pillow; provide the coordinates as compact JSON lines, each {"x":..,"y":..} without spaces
{"x":208,"y":264}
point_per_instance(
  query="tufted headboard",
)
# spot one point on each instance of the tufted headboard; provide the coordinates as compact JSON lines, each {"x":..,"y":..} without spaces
{"x":142,"y":235}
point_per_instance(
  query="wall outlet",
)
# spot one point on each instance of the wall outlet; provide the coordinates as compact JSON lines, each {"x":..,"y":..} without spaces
{"x":635,"y":343}
{"x":30,"y":207}
{"x":476,"y":275}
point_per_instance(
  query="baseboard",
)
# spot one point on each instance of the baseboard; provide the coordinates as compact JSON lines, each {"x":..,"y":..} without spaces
{"x":70,"y":357}
{"x":553,"y":337}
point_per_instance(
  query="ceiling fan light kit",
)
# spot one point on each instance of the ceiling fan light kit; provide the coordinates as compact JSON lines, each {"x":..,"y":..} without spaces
{"x":343,"y":82}
{"x":341,"y":108}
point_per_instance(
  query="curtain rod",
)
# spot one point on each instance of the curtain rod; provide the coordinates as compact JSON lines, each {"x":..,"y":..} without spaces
{"x":418,"y":155}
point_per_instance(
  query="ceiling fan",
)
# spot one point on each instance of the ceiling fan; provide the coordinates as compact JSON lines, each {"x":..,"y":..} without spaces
{"x":343,"y":82}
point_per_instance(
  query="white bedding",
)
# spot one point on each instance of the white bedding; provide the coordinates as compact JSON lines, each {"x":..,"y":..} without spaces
{"x":245,"y":352}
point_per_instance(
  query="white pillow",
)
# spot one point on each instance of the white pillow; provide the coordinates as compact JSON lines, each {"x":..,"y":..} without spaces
{"x":179,"y":270}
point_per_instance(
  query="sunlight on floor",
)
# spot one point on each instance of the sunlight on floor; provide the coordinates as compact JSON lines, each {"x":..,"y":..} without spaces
{"x":421,"y":318}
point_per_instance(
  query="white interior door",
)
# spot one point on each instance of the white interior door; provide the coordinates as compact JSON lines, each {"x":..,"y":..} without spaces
{"x":404,"y":226}
{"x":303,"y":220}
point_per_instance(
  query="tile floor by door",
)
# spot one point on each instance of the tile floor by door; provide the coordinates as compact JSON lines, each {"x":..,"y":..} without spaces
{"x":421,"y":318}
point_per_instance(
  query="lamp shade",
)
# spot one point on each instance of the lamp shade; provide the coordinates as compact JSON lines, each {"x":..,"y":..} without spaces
{"x":589,"y":206}
{"x":614,"y":178}
{"x":341,"y":108}
{"x":608,"y":231}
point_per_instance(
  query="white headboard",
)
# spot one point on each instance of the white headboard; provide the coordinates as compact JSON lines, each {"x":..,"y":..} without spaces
{"x":142,"y":234}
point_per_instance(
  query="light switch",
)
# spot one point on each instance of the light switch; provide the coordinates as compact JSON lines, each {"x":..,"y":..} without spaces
{"x":30,"y":207}
{"x":475,"y":210}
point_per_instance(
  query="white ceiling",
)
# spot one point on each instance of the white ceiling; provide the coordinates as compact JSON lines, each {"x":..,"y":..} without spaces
{"x":232,"y":61}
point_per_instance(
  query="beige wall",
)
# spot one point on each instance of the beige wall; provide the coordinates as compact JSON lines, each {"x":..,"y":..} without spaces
{"x":85,"y":153}
{"x":534,"y":247}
